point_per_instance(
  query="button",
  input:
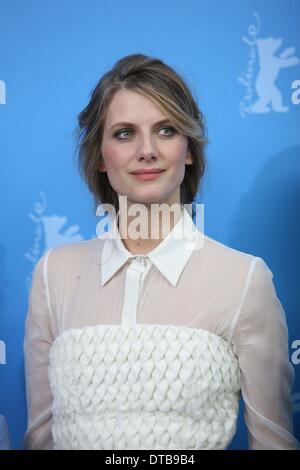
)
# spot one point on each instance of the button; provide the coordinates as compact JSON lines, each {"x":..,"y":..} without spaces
{"x":140,"y":259}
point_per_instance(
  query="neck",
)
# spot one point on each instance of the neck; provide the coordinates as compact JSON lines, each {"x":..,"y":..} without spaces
{"x":141,"y":233}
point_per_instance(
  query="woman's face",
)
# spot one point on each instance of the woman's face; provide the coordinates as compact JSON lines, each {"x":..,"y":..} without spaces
{"x":133,"y":139}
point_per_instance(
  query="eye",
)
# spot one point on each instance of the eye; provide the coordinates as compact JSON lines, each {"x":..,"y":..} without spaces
{"x":119,"y":133}
{"x":173,"y":131}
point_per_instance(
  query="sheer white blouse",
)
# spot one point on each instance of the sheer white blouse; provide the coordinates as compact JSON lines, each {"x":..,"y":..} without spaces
{"x":189,"y":280}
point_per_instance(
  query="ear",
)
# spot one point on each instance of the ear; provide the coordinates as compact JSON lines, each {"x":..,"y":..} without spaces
{"x":189,"y":159}
{"x":101,"y":167}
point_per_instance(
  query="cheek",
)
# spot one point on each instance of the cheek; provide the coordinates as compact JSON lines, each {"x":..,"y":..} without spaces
{"x":177,"y":152}
{"x":112,"y":156}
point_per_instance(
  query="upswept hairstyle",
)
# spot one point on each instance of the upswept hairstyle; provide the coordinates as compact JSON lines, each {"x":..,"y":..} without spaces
{"x":160,"y":83}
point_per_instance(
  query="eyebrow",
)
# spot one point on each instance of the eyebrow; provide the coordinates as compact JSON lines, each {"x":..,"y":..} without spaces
{"x":163,"y":121}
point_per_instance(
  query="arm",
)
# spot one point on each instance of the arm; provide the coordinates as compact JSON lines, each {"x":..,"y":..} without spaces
{"x":4,"y":434}
{"x":37,"y":341}
{"x":260,"y":340}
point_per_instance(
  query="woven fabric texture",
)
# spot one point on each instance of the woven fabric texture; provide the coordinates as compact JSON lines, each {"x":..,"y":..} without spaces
{"x":143,"y":387}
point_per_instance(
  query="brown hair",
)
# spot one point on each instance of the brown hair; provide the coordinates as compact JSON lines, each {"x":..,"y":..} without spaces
{"x":159,"y":82}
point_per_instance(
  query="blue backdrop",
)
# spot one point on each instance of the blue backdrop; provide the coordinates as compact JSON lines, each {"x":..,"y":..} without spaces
{"x":241,"y":60}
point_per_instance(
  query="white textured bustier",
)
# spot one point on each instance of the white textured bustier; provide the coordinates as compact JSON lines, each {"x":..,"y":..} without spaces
{"x":143,"y":386}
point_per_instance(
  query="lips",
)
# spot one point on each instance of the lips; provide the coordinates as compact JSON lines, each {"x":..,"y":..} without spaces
{"x":147,"y":172}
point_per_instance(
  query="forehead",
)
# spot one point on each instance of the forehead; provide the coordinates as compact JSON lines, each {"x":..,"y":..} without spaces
{"x":130,"y":105}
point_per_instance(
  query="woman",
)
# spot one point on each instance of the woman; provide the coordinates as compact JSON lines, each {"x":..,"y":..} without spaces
{"x":148,"y":342}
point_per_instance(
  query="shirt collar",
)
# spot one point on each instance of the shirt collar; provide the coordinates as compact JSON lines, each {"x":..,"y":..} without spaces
{"x":169,"y":257}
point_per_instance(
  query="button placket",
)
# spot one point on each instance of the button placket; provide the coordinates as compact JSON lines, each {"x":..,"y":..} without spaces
{"x":140,"y":259}
{"x":132,"y":290}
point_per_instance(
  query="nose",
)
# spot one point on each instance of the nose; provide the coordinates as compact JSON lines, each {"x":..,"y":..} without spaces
{"x":148,"y":157}
{"x":147,"y":149}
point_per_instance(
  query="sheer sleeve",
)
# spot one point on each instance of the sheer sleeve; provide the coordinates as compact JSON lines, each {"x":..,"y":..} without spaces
{"x":260,"y":339}
{"x":37,"y":341}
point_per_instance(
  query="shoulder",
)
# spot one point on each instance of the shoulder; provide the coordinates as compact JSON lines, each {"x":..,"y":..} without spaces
{"x":71,"y":256}
{"x":74,"y":249}
{"x":226,"y":258}
{"x":230,"y":265}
